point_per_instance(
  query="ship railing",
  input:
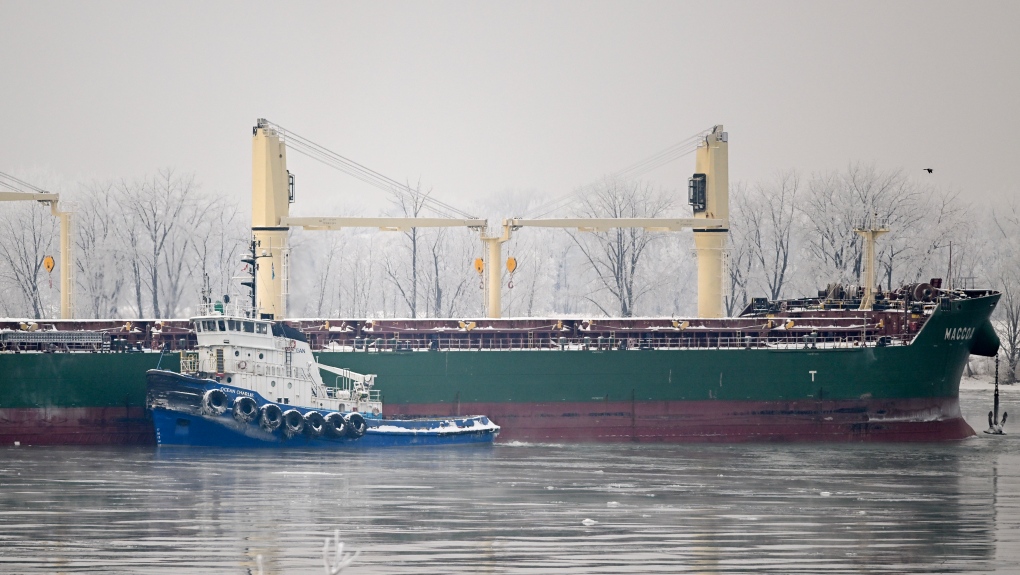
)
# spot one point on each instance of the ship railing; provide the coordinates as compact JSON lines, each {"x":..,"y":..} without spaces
{"x":703,"y":341}
{"x":92,"y":341}
{"x":233,"y":308}
{"x":345,"y":388}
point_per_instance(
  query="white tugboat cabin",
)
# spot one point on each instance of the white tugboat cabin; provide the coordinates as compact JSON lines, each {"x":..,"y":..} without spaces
{"x":274,"y":360}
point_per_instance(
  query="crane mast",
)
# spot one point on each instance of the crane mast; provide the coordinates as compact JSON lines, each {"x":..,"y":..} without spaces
{"x":271,"y":196}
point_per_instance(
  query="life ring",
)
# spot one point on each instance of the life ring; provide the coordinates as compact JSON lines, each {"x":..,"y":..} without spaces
{"x":293,"y":422}
{"x":314,"y":423}
{"x":335,"y":425}
{"x":356,"y":425}
{"x":270,"y":417}
{"x":214,"y":402}
{"x":242,"y":365}
{"x":245,"y":409}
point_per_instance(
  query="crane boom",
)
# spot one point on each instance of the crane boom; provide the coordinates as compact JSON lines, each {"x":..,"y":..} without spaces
{"x":385,"y":224}
{"x":605,"y":224}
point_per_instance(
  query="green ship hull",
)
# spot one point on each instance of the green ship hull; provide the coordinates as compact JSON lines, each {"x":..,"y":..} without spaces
{"x":771,"y":393}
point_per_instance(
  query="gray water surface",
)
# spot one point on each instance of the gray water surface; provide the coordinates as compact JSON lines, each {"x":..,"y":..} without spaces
{"x":520,"y":508}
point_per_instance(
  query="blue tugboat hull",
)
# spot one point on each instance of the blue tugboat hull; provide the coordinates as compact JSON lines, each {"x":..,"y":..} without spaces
{"x":181,"y":414}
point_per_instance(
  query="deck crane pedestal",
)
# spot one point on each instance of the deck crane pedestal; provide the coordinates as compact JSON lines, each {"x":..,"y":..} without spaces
{"x":66,"y":246}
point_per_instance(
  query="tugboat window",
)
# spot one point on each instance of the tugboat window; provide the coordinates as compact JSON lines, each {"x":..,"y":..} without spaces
{"x":236,"y":353}
{"x":272,"y":384}
{"x":222,"y":326}
{"x":249,"y":327}
{"x":260,"y":356}
{"x":289,"y":385}
{"x":228,"y":379}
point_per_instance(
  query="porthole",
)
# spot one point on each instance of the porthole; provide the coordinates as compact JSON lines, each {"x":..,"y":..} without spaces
{"x":236,"y":353}
{"x":289,"y":385}
{"x":228,"y":379}
{"x":272,"y":384}
{"x":260,"y":356}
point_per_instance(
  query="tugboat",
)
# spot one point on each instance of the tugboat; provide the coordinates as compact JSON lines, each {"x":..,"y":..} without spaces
{"x":255,"y":383}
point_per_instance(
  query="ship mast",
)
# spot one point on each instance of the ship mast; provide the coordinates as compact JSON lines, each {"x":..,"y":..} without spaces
{"x":870,"y":234}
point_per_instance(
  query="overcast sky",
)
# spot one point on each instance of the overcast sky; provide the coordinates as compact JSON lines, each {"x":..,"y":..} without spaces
{"x":476,"y":98}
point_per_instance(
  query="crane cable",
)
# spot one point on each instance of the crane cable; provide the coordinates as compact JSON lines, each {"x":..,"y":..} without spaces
{"x":662,"y":157}
{"x":334,"y":160}
{"x":14,"y":187}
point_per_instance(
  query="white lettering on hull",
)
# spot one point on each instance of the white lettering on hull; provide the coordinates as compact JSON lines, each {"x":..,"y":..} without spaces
{"x":959,"y":333}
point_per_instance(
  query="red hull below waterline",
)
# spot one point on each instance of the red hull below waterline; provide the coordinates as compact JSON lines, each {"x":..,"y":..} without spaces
{"x":936,"y":419}
{"x":76,"y":426}
{"x":928,"y":419}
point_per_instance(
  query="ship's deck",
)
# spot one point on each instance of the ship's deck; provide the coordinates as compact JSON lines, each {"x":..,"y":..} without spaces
{"x":789,"y":324}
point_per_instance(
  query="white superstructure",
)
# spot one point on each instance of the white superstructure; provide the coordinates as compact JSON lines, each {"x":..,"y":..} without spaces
{"x":273,"y":360}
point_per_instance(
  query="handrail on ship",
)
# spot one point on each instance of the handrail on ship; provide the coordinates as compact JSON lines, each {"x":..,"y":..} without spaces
{"x":440,"y":343}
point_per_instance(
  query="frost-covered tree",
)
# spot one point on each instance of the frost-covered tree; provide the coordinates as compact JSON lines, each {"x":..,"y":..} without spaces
{"x":740,"y":258}
{"x":101,"y":263}
{"x":615,"y":256}
{"x":770,"y":217}
{"x":837,"y":203}
{"x":1005,"y":273}
{"x":28,"y":233}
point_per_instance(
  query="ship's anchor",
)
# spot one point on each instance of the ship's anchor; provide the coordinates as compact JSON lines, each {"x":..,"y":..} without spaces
{"x":994,"y":425}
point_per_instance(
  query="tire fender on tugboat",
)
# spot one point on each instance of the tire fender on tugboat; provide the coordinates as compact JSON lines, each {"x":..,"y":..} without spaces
{"x":335,"y":425}
{"x":315,"y":423}
{"x":214,"y":402}
{"x":355,"y":425}
{"x":245,"y":409}
{"x":270,"y":417}
{"x":293,"y":422}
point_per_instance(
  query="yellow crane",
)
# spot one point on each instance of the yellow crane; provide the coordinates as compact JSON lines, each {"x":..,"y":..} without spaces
{"x":708,"y":194}
{"x":273,"y":192}
{"x":23,"y":191}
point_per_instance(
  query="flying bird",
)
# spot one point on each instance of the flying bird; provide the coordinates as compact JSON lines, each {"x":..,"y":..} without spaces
{"x":929,"y":170}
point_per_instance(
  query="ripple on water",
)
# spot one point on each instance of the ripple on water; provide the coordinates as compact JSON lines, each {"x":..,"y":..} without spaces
{"x":520,"y":508}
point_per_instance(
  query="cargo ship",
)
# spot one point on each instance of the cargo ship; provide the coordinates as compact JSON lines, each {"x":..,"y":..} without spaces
{"x":851,"y":364}
{"x":800,"y":370}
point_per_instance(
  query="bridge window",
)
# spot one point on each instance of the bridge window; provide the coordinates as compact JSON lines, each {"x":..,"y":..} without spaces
{"x":260,"y":327}
{"x":249,"y":327}
{"x":223,"y":326}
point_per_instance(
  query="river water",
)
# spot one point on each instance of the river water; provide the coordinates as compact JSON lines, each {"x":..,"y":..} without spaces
{"x":522,"y":508}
